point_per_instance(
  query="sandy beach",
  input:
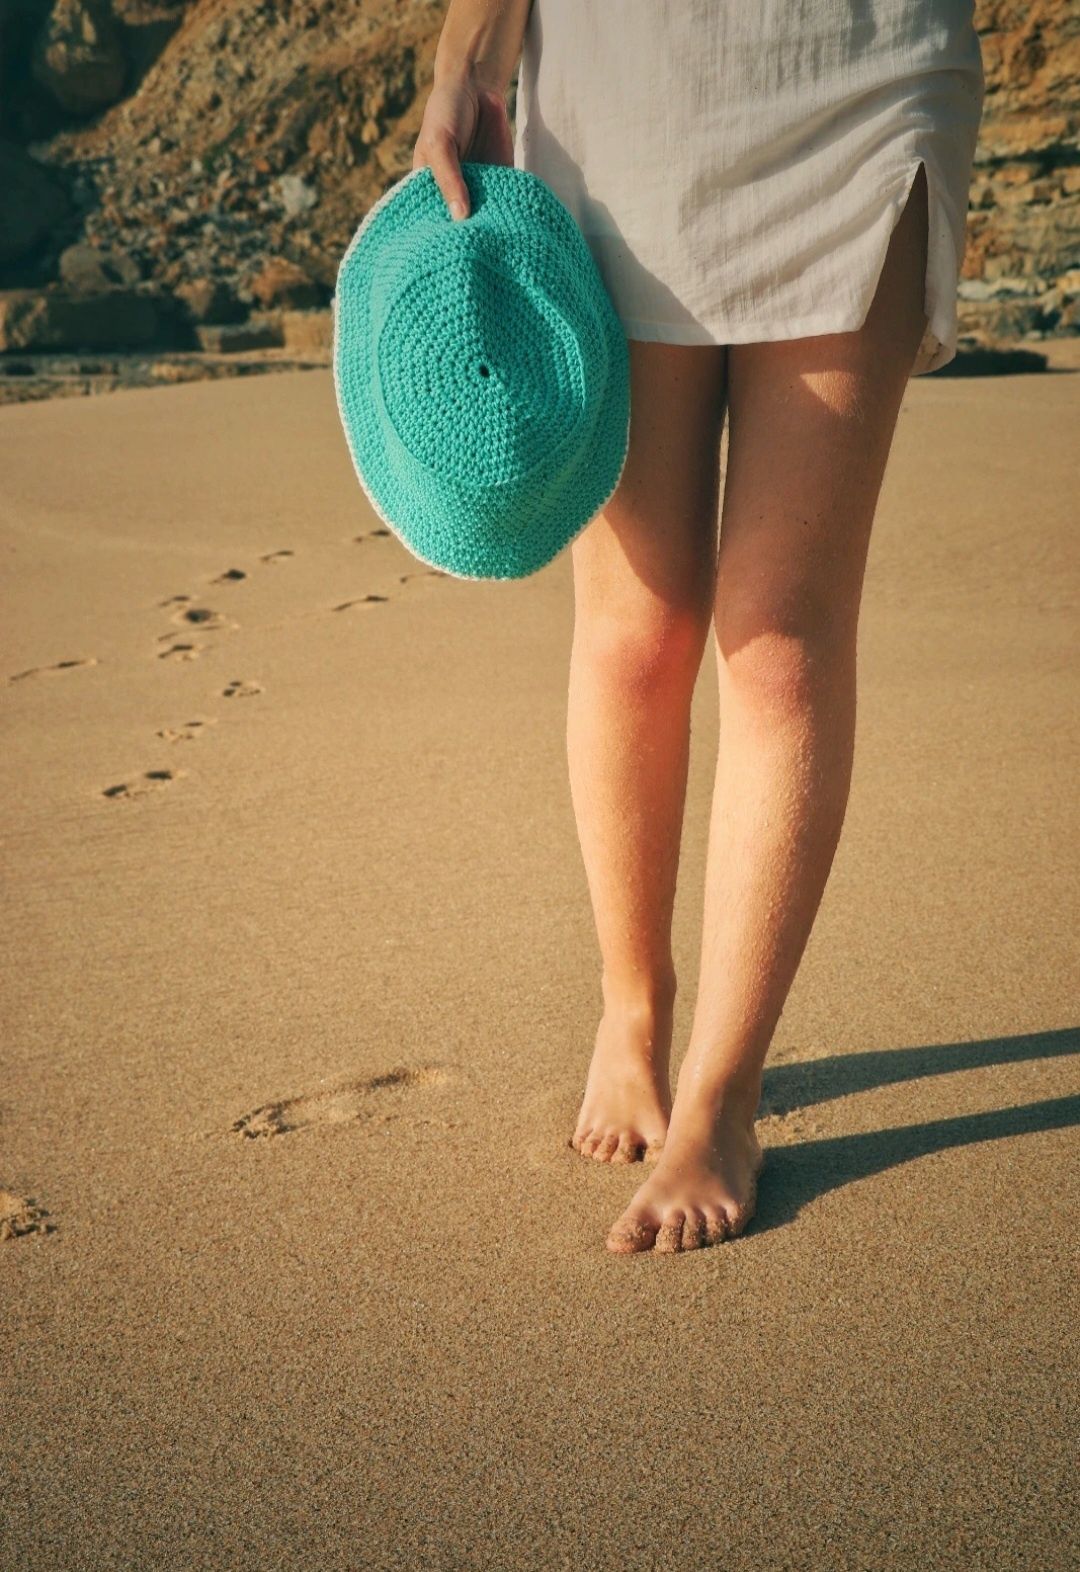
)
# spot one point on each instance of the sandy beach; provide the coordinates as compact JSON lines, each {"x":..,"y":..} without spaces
{"x":300,"y":985}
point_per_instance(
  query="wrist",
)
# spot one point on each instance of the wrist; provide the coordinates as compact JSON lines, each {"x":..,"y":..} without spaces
{"x":461,"y":71}
{"x":472,"y":57}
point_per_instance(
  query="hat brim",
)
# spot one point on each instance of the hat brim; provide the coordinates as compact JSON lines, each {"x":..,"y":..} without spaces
{"x":570,"y":499}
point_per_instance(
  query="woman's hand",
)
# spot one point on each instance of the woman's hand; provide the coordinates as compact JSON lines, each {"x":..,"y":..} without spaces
{"x":462,"y":121}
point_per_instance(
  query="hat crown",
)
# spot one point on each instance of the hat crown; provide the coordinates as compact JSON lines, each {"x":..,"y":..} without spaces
{"x":479,"y":372}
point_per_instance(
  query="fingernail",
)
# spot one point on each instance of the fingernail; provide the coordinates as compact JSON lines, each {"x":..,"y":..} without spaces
{"x":457,"y":208}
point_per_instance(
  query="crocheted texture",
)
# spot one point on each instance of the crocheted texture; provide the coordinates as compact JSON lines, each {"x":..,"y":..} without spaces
{"x":482,"y":374}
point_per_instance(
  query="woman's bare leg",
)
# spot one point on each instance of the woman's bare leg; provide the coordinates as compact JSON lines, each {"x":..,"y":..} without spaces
{"x":644,"y":573}
{"x":811,"y":425}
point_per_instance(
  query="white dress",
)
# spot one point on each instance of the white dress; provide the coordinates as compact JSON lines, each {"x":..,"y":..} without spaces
{"x":737,"y":166}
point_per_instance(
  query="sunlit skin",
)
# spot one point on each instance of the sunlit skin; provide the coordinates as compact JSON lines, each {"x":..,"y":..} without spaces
{"x":778,"y":580}
{"x":811,"y":423}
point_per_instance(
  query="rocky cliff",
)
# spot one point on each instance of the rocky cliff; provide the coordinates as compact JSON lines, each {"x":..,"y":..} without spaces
{"x":186,"y":174}
{"x":1021,"y":273}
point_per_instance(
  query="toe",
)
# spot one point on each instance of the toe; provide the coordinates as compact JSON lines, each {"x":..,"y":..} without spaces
{"x":588,"y":1143}
{"x":653,"y":1150}
{"x":605,"y":1148}
{"x":716,"y":1228}
{"x":669,"y":1236}
{"x":577,"y":1140}
{"x":738,"y":1218}
{"x":693,"y":1231}
{"x":631,"y":1234}
{"x":628,"y":1150}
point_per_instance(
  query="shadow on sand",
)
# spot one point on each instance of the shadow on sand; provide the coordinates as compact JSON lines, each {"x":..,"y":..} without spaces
{"x":798,"y":1174}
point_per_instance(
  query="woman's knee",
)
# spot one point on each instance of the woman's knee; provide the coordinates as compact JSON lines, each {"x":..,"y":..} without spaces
{"x":785,"y":660}
{"x":648,"y":648}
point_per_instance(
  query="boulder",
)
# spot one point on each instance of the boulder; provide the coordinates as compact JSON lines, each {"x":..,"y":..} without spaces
{"x":88,"y":269}
{"x":78,"y":56}
{"x":234,"y":338}
{"x":308,"y":332}
{"x":54,"y":318}
{"x":992,"y":360}
{"x":209,"y":300}
{"x":296,"y":196}
{"x":32,"y":204}
{"x":283,"y":283}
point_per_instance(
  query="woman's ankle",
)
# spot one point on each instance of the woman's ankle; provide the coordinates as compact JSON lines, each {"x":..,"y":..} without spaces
{"x":639,"y":999}
{"x":710,"y":1094}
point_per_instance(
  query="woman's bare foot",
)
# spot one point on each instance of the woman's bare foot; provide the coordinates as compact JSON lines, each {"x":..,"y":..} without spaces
{"x":624,"y":1114}
{"x":705,"y":1185}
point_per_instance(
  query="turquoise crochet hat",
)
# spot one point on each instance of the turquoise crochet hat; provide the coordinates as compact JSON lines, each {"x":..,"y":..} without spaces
{"x":481,"y":372}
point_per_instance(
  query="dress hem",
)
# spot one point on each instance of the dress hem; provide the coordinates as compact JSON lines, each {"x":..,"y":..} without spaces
{"x":933,"y":351}
{"x":668,"y":333}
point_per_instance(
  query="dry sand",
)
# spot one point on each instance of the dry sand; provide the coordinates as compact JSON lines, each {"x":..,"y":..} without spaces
{"x":315,"y":880}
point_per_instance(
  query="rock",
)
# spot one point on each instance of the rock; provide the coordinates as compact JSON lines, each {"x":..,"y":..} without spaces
{"x":209,"y":300}
{"x":78,"y":56}
{"x":55,"y":318}
{"x":307,"y":332}
{"x":89,"y":270}
{"x":296,"y":195}
{"x":989,"y":360}
{"x":1000,"y":287}
{"x":1024,"y":214}
{"x":169,"y":371}
{"x":32,"y":204}
{"x":213,"y":168}
{"x":1014,"y":318}
{"x":283,"y":283}
{"x":231,"y":339}
{"x":1069,"y":315}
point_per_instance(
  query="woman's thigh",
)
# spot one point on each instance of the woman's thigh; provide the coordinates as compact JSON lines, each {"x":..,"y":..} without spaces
{"x":654,"y":544}
{"x":811,"y":423}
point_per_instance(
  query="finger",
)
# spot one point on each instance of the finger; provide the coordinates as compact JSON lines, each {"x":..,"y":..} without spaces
{"x":494,"y":143}
{"x":446,"y":167}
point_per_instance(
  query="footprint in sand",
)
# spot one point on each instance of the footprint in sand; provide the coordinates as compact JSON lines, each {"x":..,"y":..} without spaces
{"x":422,"y":573}
{"x":364,"y":600}
{"x":276,"y":556}
{"x":150,"y":780}
{"x":239,"y":689}
{"x":376,"y":1100}
{"x":188,"y":731}
{"x":786,"y":1128}
{"x":230,"y":576}
{"x":51,"y":671}
{"x":367,"y":535}
{"x":176,"y":600}
{"x":199,"y":617}
{"x":21,"y":1215}
{"x":180,"y":651}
